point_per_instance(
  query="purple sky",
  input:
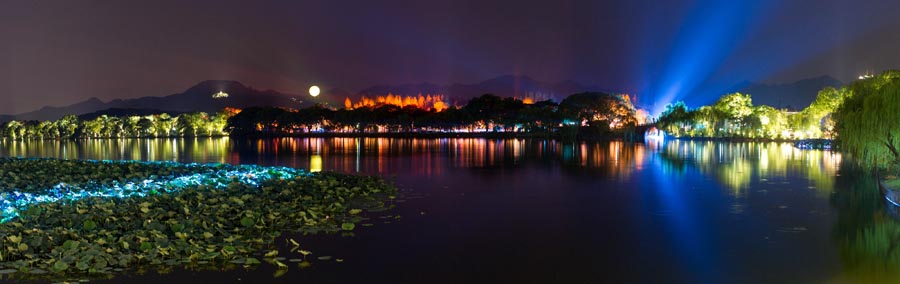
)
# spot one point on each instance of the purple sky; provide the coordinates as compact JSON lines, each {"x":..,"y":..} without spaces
{"x":62,"y":52}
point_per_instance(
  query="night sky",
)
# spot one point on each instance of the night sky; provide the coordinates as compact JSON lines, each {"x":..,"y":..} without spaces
{"x":62,"y":52}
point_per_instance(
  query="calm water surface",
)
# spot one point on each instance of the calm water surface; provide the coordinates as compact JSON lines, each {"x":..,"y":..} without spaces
{"x":535,"y":211}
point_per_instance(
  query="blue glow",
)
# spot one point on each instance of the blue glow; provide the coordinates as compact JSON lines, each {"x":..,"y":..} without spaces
{"x":688,"y":228}
{"x":210,"y":175}
{"x":711,"y":31}
{"x":655,"y":135}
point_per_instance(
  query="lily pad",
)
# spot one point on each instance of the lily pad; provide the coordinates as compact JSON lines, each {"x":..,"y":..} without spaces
{"x":101,"y":216}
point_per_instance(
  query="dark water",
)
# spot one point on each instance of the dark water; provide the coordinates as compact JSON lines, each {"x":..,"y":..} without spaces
{"x":534,"y":211}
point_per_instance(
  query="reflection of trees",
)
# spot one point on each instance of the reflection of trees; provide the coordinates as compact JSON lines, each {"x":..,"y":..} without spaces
{"x":435,"y":155}
{"x":869,"y":238}
{"x":726,"y":161}
{"x":736,"y":165}
{"x":183,"y":150}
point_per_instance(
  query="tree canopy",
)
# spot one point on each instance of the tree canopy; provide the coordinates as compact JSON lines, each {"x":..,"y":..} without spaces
{"x":867,"y":121}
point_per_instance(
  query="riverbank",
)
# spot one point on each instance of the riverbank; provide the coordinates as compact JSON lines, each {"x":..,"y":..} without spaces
{"x":104,"y":217}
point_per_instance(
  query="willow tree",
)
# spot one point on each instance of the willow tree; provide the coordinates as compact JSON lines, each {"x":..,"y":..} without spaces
{"x":868,"y":122}
{"x":675,"y":119}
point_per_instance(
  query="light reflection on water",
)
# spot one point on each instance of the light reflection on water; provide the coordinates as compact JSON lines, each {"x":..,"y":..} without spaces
{"x":737,"y":164}
{"x":344,"y":154}
{"x":712,"y":212}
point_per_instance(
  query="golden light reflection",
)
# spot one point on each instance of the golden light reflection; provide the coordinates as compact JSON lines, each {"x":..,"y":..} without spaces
{"x":736,"y":165}
{"x":160,"y":149}
{"x":315,"y":163}
{"x":739,"y":165}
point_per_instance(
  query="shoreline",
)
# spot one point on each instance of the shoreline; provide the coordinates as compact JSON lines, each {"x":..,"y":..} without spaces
{"x":439,"y":135}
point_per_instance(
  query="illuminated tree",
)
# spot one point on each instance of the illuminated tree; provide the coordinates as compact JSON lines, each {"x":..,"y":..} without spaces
{"x":91,"y":128}
{"x":706,"y":121}
{"x":217,"y":123}
{"x":733,"y":108}
{"x":867,"y":121}
{"x":164,"y":125}
{"x":14,"y":130}
{"x":67,"y":126}
{"x":816,"y":120}
{"x":112,"y":127}
{"x":192,"y":124}
{"x":594,"y":107}
{"x":131,"y":126}
{"x":676,"y":119}
{"x":48,"y":130}
{"x":766,"y":122}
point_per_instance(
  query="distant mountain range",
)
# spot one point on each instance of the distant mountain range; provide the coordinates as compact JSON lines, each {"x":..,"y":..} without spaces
{"x":122,"y":112}
{"x":200,"y":97}
{"x":504,"y":86}
{"x":196,"y":98}
{"x":795,"y":96}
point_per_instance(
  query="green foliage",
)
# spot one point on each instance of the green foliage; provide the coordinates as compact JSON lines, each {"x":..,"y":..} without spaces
{"x":38,"y":175}
{"x":151,"y":126}
{"x":599,"y":108}
{"x":734,"y":115}
{"x":198,"y":224}
{"x":866,"y":230}
{"x":766,"y":121}
{"x":676,"y":119}
{"x":734,"y":106}
{"x":867,"y":121}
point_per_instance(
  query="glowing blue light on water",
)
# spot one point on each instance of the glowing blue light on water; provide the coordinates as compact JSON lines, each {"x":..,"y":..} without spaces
{"x":213,"y":176}
{"x":655,"y":135}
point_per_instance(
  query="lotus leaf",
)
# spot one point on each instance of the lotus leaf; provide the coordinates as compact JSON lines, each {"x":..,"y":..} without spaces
{"x":70,"y":216}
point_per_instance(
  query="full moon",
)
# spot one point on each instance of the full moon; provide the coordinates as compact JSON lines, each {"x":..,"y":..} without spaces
{"x":314,"y":91}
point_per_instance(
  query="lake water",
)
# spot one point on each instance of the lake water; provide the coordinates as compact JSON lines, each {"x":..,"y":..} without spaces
{"x":536,"y":211}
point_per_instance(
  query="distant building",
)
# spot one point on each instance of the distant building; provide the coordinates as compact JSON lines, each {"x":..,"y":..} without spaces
{"x":220,"y":95}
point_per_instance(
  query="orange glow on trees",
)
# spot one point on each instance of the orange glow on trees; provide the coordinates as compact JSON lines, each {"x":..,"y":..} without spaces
{"x":528,"y":100}
{"x":427,"y":102}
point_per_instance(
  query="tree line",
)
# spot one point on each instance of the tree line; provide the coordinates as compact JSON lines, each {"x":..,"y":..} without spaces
{"x":590,"y":113}
{"x":734,"y":115}
{"x":584,"y":114}
{"x":193,"y":124}
{"x":868,"y":121}
{"x":863,"y":118}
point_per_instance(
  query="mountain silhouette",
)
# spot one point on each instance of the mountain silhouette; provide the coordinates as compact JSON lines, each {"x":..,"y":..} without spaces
{"x":196,"y":98}
{"x":200,"y":96}
{"x":504,"y":86}
{"x":49,"y":112}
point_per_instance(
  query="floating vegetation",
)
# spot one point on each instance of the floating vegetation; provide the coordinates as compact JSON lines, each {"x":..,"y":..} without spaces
{"x":134,"y":214}
{"x":79,"y":179}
